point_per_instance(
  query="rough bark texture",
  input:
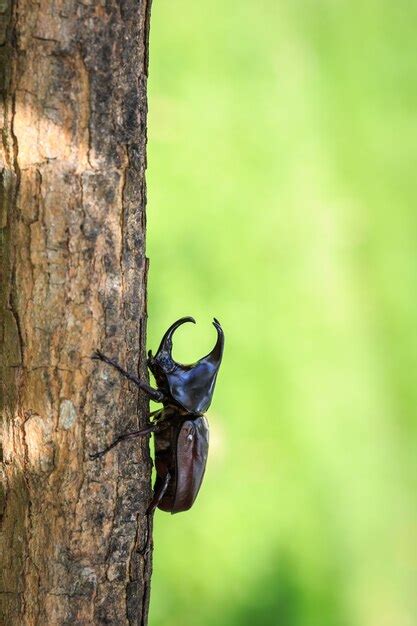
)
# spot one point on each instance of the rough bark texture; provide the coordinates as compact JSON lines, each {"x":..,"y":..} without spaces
{"x":73,"y":272}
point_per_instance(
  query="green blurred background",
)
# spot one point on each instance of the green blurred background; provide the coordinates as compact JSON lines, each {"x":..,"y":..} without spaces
{"x":282,"y":200}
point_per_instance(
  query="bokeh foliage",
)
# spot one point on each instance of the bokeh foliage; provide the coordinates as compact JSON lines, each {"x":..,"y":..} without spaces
{"x":282,"y":200}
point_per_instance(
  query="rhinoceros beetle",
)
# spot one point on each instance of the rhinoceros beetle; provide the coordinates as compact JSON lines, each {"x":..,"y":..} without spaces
{"x":181,"y":433}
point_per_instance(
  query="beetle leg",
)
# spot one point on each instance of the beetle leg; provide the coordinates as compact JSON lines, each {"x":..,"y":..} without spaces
{"x":136,"y":433}
{"x":159,"y":492}
{"x":161,"y":485}
{"x":154,"y":394}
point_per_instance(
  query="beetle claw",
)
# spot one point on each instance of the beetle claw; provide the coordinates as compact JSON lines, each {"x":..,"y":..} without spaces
{"x":97,"y":356}
{"x":97,"y":455}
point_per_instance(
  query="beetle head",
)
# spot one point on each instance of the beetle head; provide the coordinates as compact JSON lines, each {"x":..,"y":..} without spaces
{"x":191,"y":386}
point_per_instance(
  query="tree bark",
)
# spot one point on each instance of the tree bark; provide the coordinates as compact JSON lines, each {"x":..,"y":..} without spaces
{"x":74,"y":535}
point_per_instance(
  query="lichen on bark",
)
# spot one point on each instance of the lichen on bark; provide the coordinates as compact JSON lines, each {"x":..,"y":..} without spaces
{"x":73,"y":540}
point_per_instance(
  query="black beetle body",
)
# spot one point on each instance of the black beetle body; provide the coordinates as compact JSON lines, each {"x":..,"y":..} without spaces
{"x":181,"y":433}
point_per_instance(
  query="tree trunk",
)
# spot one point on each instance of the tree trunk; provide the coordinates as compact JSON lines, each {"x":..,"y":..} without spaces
{"x":73,"y":542}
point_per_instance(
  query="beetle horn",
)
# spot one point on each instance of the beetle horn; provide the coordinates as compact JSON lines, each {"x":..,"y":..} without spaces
{"x":217,"y":352}
{"x":165,"y":347}
{"x":215,"y":356}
